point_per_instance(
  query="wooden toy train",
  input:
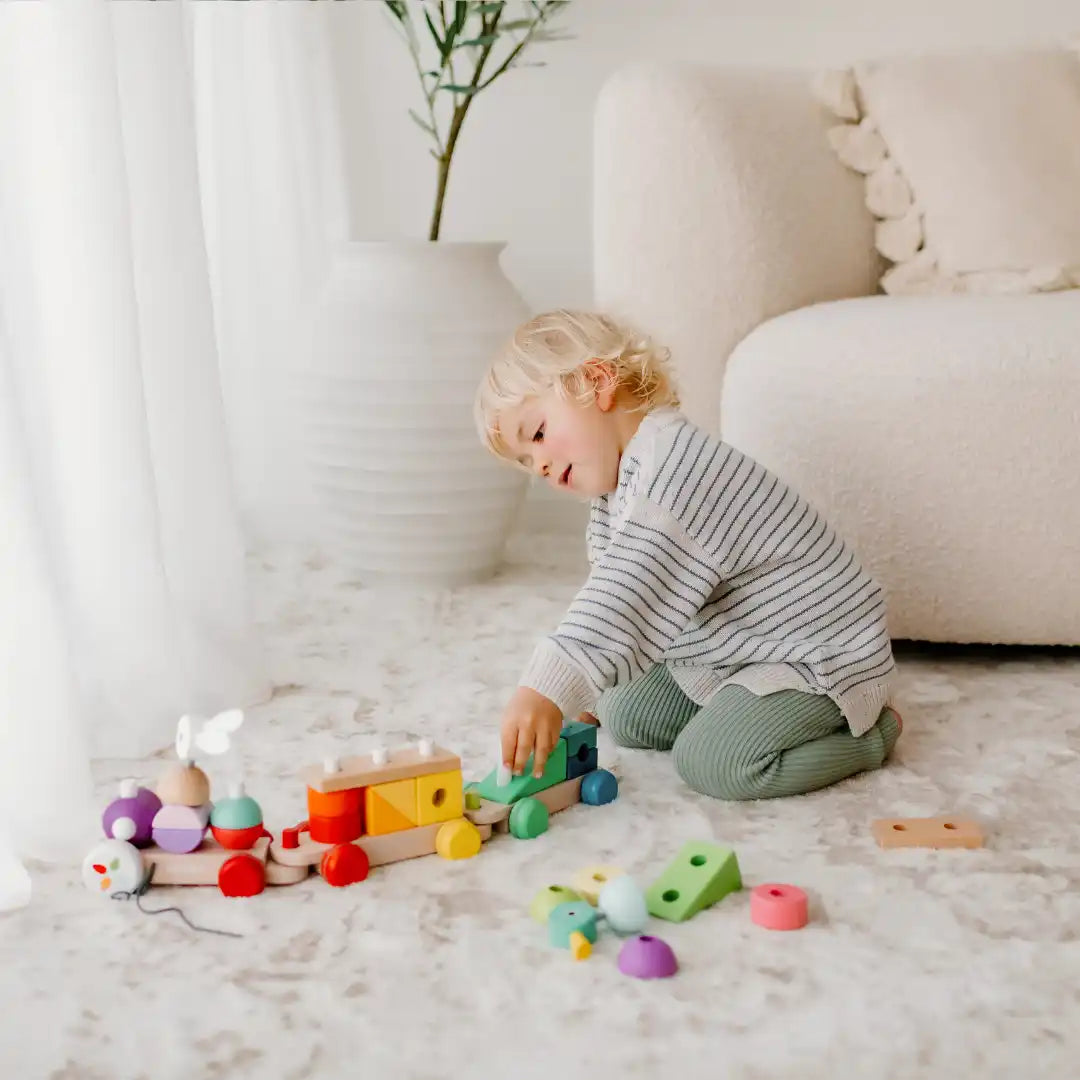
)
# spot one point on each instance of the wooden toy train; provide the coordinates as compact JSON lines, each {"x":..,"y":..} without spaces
{"x":363,"y":811}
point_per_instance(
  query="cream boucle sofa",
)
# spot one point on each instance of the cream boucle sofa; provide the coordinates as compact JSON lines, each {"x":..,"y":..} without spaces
{"x":940,"y":435}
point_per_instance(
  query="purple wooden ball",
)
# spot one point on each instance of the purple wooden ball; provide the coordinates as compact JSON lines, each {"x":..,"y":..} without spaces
{"x":131,"y":816}
{"x":646,"y":957}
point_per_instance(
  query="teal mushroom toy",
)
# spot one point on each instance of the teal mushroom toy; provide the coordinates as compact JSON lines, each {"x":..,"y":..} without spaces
{"x":237,"y":822}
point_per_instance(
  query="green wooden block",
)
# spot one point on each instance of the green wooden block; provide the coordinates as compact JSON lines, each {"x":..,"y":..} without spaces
{"x":526,"y":784}
{"x":699,"y":876}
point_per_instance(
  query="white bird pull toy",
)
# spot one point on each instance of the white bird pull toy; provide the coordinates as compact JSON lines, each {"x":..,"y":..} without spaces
{"x":211,"y":736}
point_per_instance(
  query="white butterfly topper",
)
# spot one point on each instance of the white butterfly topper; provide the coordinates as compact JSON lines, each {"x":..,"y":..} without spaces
{"x":211,"y":736}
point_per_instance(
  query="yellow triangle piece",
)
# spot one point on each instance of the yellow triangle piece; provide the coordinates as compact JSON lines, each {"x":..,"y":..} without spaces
{"x":390,"y":807}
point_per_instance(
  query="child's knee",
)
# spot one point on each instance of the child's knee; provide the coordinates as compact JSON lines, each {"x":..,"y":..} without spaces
{"x":618,"y":717}
{"x":714,"y":770}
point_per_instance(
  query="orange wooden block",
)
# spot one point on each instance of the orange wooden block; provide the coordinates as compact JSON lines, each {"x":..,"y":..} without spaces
{"x":439,"y":797}
{"x":334,"y":803}
{"x":390,"y":807}
{"x":941,"y":832}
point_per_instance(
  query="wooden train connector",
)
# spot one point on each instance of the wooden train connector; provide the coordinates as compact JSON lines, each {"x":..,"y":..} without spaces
{"x":939,"y":832}
{"x":363,"y":811}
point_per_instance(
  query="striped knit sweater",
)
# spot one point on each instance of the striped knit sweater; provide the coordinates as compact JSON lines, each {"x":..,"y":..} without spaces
{"x":704,"y":560}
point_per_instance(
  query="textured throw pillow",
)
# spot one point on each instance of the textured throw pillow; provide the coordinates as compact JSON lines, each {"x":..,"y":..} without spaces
{"x":972,"y":167}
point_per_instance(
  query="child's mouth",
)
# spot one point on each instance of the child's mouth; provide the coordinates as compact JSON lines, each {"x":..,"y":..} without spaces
{"x":564,"y":480}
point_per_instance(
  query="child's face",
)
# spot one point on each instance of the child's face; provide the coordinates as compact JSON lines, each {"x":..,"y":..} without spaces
{"x":576,"y":448}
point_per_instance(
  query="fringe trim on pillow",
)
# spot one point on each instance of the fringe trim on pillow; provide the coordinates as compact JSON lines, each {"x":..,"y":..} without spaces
{"x":900,"y":234}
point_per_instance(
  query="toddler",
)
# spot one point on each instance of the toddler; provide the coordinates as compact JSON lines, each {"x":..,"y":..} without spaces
{"x":722,"y":618}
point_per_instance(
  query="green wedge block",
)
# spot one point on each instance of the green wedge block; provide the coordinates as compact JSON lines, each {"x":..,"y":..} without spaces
{"x":526,"y":783}
{"x":699,"y":876}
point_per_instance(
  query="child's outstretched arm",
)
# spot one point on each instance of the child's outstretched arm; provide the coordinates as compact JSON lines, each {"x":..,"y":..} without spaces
{"x":644,"y":589}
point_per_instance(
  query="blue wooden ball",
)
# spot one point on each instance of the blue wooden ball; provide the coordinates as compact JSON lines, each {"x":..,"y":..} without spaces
{"x":599,"y":787}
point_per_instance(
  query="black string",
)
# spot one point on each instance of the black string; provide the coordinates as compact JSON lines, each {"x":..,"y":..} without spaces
{"x":140,"y":891}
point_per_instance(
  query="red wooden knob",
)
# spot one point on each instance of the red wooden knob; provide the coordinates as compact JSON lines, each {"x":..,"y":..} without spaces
{"x":242,"y":875}
{"x":344,"y":864}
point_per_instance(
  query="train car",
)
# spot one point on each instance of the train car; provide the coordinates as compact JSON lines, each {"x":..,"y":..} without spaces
{"x":362,"y":811}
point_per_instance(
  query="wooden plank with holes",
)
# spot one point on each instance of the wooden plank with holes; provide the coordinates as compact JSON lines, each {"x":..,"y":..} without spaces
{"x":939,"y":832}
{"x":361,"y":770}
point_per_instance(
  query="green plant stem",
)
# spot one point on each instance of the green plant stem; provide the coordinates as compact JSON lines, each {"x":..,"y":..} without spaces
{"x":461,"y":108}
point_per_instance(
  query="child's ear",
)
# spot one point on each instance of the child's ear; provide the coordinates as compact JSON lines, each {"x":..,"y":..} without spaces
{"x":605,"y":382}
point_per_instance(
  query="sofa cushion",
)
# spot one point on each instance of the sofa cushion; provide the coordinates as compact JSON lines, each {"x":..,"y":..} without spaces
{"x":972,"y":165}
{"x":941,"y":437}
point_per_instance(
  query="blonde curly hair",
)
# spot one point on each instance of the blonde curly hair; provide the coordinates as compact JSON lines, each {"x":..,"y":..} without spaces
{"x":549,"y":353}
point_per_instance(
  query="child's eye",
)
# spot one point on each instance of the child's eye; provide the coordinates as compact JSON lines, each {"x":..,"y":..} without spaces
{"x":539,"y":436}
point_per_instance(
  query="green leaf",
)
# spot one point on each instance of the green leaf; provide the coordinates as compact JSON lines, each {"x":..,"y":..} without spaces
{"x":489,"y":9}
{"x":439,"y":43}
{"x":468,"y":91}
{"x":483,"y":39}
{"x":517,"y":24}
{"x":397,"y":8}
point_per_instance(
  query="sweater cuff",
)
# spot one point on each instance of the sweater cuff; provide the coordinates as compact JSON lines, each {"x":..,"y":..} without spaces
{"x":551,"y":674}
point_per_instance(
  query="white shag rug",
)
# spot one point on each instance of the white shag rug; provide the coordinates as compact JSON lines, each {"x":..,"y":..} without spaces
{"x":915,"y":964}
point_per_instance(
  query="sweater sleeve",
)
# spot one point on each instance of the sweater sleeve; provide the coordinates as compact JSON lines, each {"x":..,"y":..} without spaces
{"x":597,"y":530}
{"x":645,"y":587}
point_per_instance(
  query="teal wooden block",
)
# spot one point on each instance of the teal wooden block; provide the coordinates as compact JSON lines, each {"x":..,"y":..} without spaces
{"x":699,"y":876}
{"x":526,"y":784}
{"x":576,"y":735}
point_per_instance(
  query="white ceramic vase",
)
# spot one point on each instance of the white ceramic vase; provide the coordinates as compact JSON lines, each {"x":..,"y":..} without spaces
{"x":401,"y":334}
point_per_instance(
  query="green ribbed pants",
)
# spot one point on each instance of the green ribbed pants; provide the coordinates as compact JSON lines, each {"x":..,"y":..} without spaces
{"x":739,"y":745}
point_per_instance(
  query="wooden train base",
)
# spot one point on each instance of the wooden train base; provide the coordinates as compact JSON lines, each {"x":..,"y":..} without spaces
{"x":289,"y":859}
{"x":363,"y":811}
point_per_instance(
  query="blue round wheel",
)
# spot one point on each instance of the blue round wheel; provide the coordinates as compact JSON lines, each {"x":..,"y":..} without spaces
{"x":599,"y":787}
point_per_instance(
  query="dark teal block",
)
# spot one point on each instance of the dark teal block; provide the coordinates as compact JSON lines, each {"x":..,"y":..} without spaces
{"x":576,"y":735}
{"x":584,"y":761}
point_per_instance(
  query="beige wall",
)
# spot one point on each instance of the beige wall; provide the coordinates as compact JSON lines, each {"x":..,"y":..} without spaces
{"x":523,"y":169}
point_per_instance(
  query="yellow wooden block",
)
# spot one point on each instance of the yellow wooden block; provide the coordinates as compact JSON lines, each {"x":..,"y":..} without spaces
{"x":390,"y":807}
{"x":439,"y":797}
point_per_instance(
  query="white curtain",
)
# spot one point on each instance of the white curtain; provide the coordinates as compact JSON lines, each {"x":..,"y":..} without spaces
{"x":123,"y":598}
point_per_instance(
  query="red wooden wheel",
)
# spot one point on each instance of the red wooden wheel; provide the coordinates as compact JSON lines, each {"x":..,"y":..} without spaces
{"x":344,"y":864}
{"x":242,"y":875}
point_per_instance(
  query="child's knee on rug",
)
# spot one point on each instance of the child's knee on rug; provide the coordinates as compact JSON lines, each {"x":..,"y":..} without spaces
{"x":646,"y":714}
{"x":740,"y":746}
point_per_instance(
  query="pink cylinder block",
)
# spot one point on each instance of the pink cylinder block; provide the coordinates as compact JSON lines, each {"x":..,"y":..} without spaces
{"x":778,"y":907}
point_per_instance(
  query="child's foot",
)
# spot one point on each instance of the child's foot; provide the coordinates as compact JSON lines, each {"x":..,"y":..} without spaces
{"x":891,"y":724}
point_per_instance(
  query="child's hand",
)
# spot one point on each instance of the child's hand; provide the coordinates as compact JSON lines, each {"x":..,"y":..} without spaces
{"x":531,"y":724}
